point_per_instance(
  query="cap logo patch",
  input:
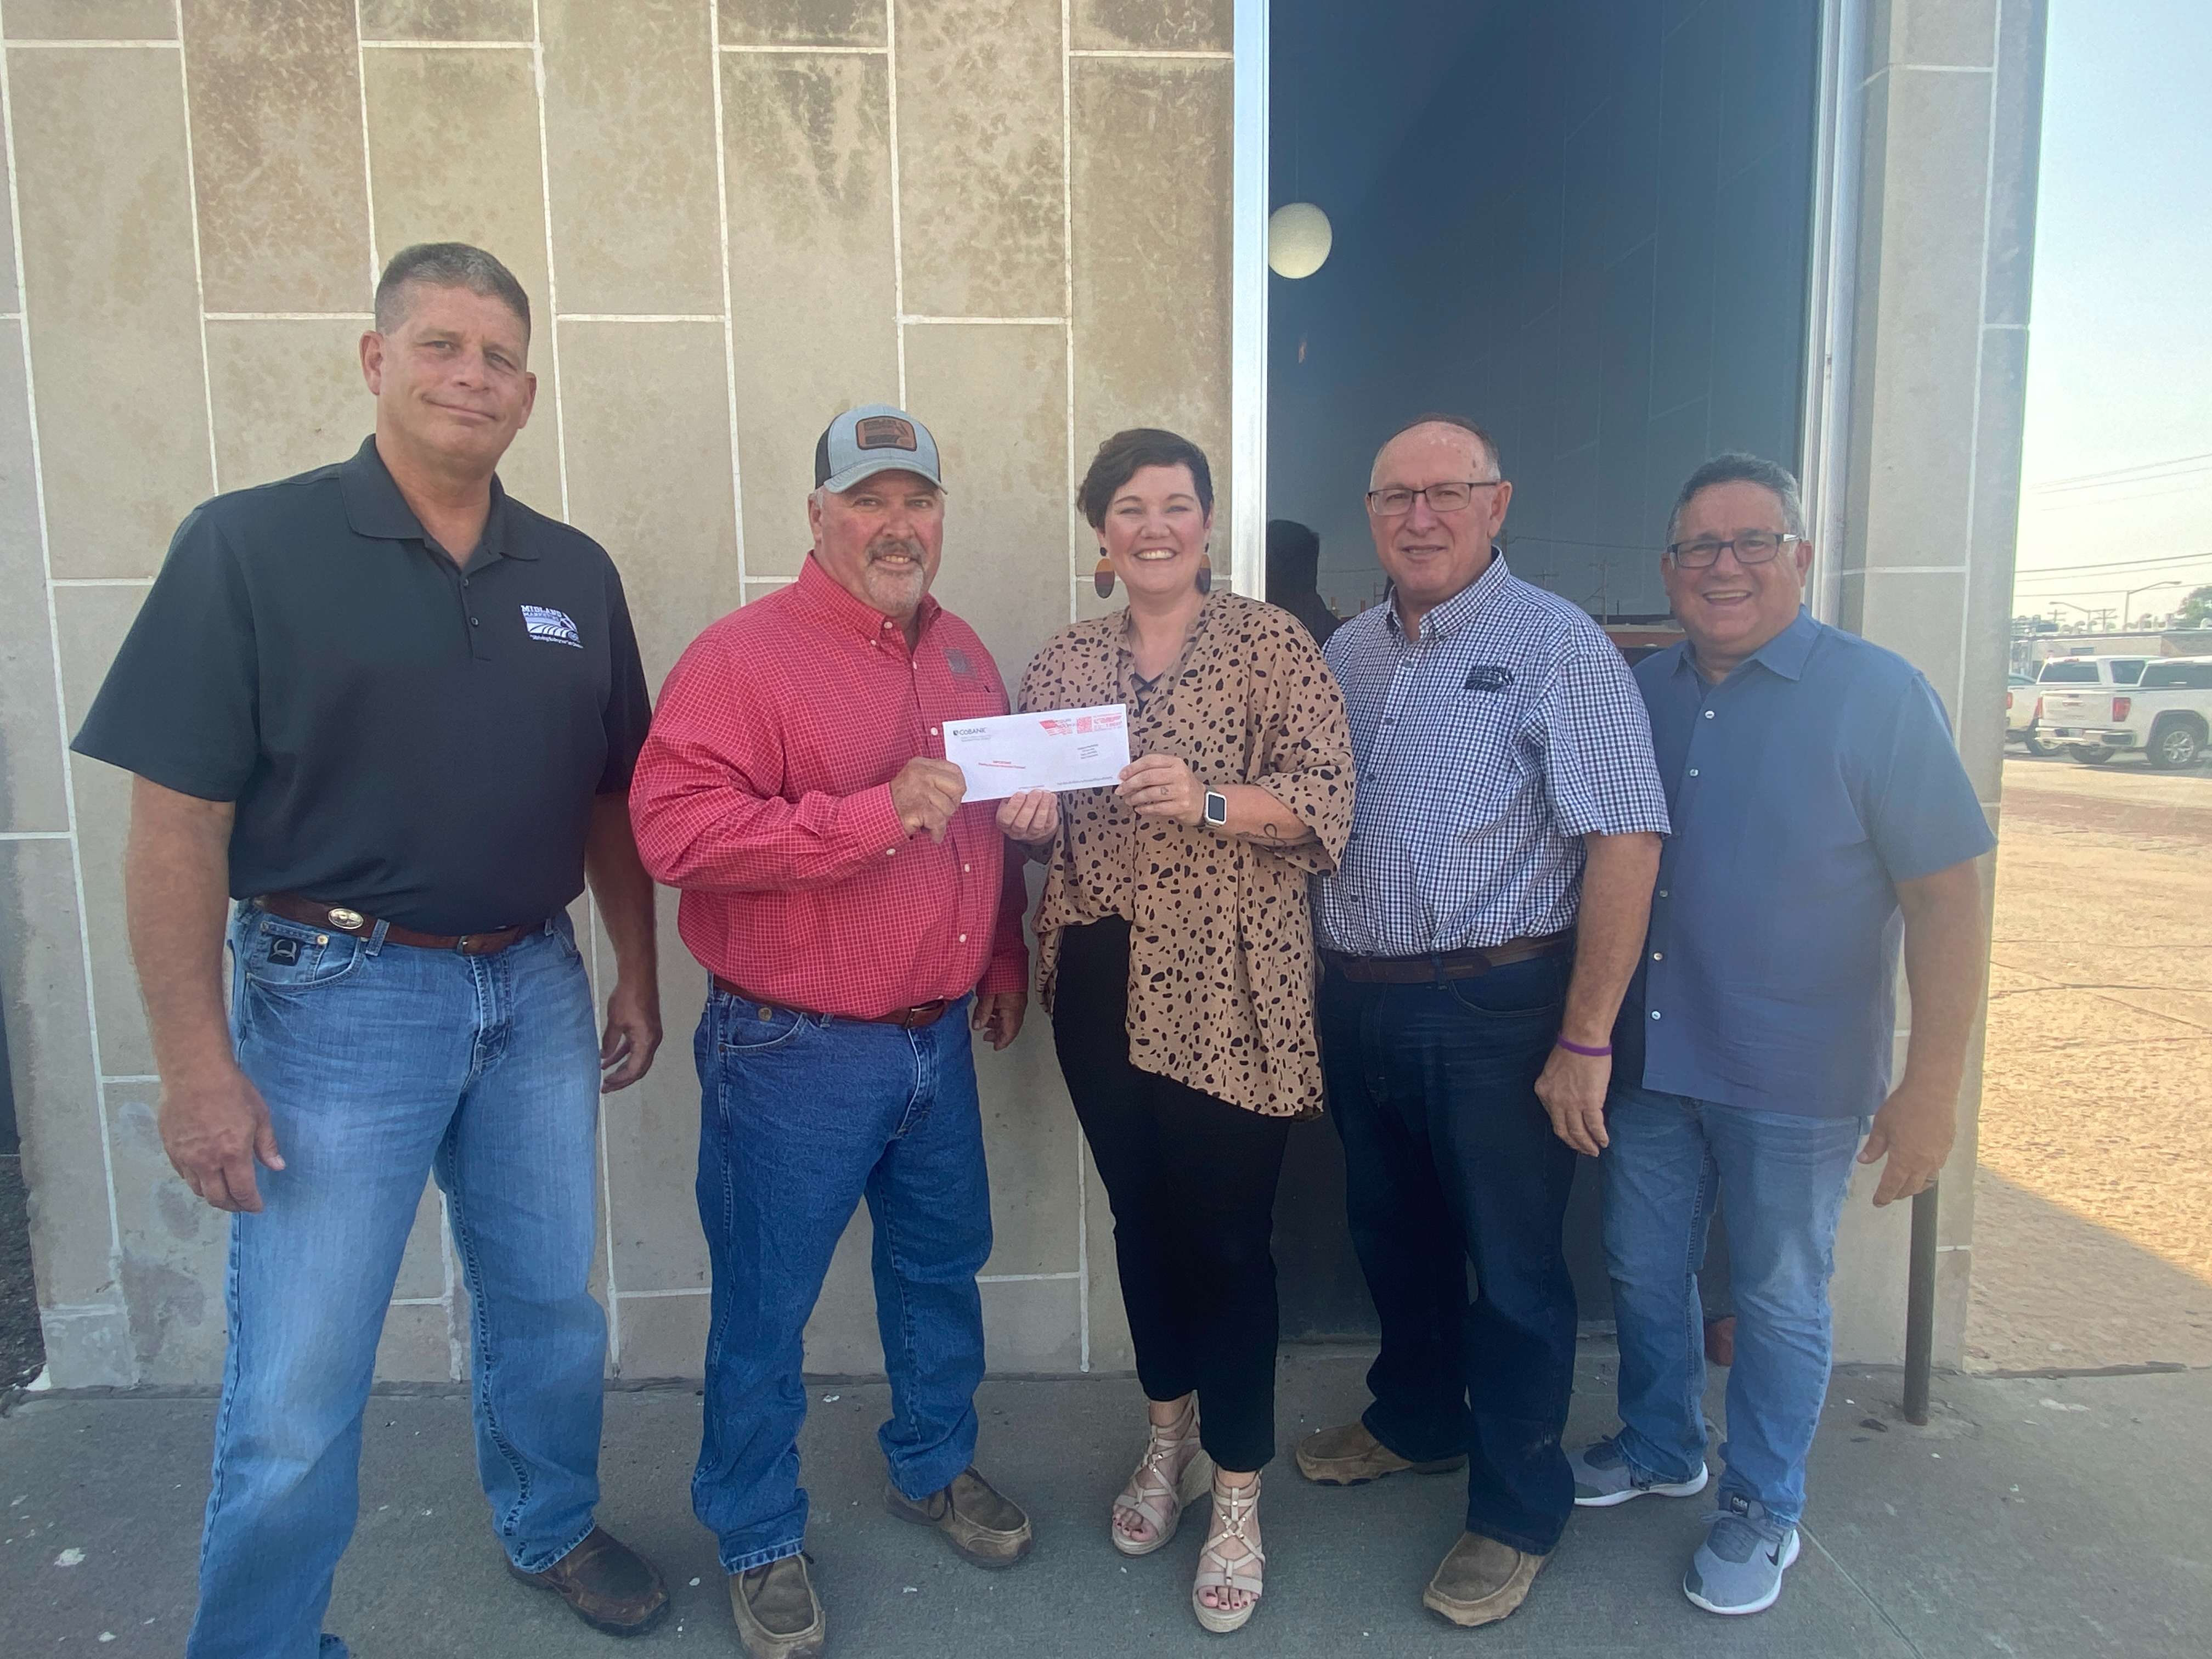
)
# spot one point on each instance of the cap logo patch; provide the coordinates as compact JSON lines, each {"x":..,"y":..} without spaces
{"x":554,"y":627}
{"x":885,"y":432}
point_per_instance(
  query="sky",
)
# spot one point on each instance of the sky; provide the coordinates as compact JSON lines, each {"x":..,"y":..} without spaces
{"x":2116,"y":462}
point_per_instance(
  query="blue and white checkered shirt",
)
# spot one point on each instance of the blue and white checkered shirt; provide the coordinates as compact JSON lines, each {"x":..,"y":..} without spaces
{"x":1486,"y":749}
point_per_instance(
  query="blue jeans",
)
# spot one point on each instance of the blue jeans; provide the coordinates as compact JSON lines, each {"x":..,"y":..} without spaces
{"x":382,"y":1064}
{"x":1451,"y":1160}
{"x":1782,"y":1177}
{"x":801,"y":1117}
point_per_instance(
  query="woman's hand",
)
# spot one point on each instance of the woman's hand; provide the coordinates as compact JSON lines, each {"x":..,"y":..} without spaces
{"x":1161,"y":787}
{"x":1030,"y":817}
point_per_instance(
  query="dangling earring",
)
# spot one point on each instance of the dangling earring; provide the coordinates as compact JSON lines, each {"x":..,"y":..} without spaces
{"x":1206,"y":569}
{"x":1102,"y":578}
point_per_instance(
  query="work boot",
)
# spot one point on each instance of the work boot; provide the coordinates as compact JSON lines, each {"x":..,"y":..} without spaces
{"x":1348,"y":1455}
{"x":1480,"y":1581}
{"x":607,"y":1584}
{"x":778,"y":1614}
{"x":983,"y":1525}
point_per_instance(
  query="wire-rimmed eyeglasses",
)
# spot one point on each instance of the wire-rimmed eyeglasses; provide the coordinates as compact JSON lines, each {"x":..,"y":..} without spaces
{"x":1441,"y":497}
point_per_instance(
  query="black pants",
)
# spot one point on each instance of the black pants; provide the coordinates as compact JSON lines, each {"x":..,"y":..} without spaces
{"x":1192,"y":1180}
{"x":1449,"y":1159}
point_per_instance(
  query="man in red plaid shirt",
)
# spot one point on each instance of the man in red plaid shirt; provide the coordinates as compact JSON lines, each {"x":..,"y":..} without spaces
{"x":855,"y":917}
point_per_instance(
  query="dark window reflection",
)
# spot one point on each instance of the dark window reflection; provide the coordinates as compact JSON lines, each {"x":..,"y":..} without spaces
{"x":1583,"y":222}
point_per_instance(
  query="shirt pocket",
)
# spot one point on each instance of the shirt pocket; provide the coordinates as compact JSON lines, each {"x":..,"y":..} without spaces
{"x":1476,"y":762}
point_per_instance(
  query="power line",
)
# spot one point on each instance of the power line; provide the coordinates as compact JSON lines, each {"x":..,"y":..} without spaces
{"x":2122,"y":501}
{"x":2091,"y":480}
{"x":2144,"y":561}
{"x":2129,"y":582}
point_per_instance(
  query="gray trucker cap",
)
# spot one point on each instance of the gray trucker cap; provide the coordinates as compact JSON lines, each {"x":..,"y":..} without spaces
{"x":871,"y":439}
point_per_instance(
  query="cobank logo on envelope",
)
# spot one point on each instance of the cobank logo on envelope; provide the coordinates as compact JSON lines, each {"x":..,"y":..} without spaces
{"x":1056,"y":748}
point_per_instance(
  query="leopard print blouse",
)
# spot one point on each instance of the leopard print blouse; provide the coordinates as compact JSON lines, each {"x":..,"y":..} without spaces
{"x":1221,"y":943}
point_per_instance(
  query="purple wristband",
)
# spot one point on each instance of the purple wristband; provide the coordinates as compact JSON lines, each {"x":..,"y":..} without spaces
{"x":1587,"y":1053}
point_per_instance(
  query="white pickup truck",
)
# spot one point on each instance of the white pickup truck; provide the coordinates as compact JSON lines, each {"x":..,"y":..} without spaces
{"x":2166,"y":714}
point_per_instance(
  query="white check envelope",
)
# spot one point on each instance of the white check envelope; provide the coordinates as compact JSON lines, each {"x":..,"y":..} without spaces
{"x":1047,"y":749}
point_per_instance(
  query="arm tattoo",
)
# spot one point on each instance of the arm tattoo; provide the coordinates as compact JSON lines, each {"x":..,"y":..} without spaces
{"x":1271,"y":836}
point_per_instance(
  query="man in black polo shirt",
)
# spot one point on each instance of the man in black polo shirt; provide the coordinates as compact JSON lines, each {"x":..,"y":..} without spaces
{"x":393,"y":713}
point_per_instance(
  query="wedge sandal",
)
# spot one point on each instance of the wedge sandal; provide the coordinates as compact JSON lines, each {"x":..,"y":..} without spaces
{"x":1172,"y":1473}
{"x":1236,"y":1522}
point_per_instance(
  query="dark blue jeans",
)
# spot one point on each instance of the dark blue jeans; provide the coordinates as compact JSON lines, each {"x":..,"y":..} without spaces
{"x":1451,"y":1160}
{"x":803,"y":1116}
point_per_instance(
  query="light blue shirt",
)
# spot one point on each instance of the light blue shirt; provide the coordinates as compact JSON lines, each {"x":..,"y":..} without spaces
{"x":1803,"y":787}
{"x":1486,"y":750}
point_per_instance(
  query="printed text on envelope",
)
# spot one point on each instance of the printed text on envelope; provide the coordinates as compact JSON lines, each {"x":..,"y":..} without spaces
{"x":1048,"y":748}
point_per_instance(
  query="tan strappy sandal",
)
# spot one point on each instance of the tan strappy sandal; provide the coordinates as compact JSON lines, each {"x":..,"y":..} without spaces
{"x":1152,"y":1495}
{"x":1236,"y":1517}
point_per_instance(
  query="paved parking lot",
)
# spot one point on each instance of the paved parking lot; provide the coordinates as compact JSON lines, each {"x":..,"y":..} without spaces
{"x":2093,"y":1198}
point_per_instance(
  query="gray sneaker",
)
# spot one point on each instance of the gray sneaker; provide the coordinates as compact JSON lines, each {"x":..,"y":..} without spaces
{"x":1738,"y":1567}
{"x":1604,"y":1477}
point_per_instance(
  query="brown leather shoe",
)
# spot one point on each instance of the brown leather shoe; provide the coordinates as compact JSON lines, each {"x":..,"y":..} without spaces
{"x":983,"y":1525}
{"x":607,"y":1584}
{"x":1347,"y":1455}
{"x":778,"y":1614}
{"x":1481,"y":1580}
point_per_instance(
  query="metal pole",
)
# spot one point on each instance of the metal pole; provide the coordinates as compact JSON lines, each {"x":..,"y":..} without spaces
{"x":1920,"y":1309}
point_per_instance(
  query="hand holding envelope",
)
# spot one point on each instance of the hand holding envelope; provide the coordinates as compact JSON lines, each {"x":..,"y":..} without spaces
{"x":1055,"y":748}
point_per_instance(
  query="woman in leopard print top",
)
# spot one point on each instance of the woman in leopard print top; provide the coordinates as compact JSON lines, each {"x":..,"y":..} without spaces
{"x":1177,"y":962}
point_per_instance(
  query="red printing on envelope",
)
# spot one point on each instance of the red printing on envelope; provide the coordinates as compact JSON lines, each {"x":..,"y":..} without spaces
{"x":1082,"y":723}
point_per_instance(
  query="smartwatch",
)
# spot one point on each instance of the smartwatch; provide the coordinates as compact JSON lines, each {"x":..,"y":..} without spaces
{"x":1217,"y":809}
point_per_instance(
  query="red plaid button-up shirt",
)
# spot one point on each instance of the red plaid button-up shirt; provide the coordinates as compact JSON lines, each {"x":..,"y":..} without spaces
{"x":764,"y":792}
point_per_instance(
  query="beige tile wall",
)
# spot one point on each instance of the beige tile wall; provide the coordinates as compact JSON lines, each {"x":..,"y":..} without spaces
{"x":733,"y":218}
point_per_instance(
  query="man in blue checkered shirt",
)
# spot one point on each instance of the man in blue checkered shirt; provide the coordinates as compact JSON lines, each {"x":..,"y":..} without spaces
{"x":1479,"y":932}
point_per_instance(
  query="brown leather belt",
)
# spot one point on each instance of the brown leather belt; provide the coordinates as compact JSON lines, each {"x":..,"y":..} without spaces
{"x":344,"y":919}
{"x":1448,"y":964}
{"x":922,"y":1014}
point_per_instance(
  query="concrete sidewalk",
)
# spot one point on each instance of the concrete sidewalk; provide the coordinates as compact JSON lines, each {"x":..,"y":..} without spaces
{"x":2037,"y":1518}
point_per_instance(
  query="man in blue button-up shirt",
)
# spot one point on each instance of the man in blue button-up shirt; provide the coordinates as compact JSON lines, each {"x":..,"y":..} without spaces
{"x":1820,"y":811}
{"x":1480,"y":930}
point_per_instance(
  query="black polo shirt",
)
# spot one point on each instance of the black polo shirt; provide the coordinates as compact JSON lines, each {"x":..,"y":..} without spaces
{"x":415,"y":739}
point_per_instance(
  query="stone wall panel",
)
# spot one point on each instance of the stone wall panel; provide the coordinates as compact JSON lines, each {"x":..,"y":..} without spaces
{"x":629,"y":126}
{"x":277,"y":155}
{"x":105,"y":200}
{"x":812,"y":294}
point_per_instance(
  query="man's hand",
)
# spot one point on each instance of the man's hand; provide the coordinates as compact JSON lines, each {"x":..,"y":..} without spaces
{"x":213,"y":1128}
{"x":1030,"y":817}
{"x":1914,"y":1130}
{"x":1161,"y":787}
{"x":633,"y":1035}
{"x":998,"y":1015}
{"x":925,"y":793}
{"x":1572,"y":1089}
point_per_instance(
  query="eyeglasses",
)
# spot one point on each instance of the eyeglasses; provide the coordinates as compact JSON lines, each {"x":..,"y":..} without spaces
{"x":1441,"y":497}
{"x":1752,"y":547}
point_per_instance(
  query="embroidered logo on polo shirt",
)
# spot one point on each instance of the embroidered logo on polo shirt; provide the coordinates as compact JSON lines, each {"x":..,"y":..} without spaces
{"x":956,"y":661}
{"x":554,"y":627}
{"x":1489,"y":677}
